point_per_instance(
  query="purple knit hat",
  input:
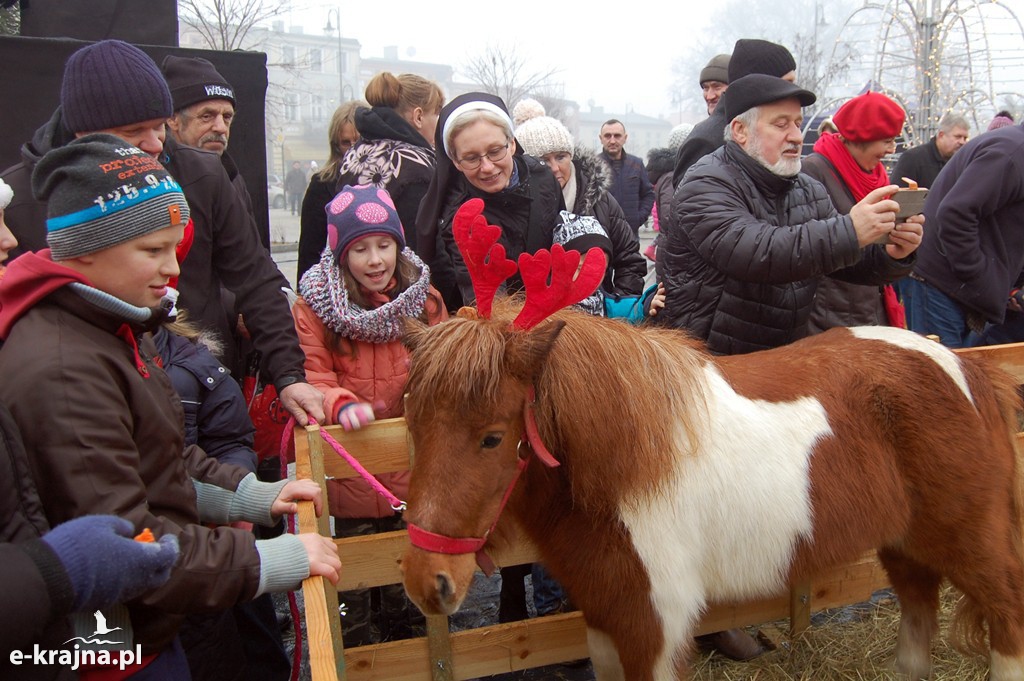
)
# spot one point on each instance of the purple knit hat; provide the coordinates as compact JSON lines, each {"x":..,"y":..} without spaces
{"x":109,"y":84}
{"x":999,"y":121}
{"x":361,"y":211}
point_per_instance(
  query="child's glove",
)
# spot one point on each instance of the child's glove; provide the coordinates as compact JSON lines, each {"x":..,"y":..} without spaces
{"x":105,"y":565}
{"x":355,"y":415}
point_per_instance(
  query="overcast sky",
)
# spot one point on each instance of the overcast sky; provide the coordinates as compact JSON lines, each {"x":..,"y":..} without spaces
{"x":617,"y":58}
{"x":618,"y":55}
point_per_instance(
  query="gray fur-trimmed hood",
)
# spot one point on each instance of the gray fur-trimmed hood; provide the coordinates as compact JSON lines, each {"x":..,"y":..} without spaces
{"x":593,"y":176}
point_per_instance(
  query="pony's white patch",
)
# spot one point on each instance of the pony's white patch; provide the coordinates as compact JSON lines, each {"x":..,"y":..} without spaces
{"x":1004,"y":668}
{"x":908,"y":340}
{"x":734,"y":510}
{"x":604,"y":657}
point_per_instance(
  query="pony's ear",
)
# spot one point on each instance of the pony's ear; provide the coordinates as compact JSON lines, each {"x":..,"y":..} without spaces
{"x":528,"y":350}
{"x":413,"y":330}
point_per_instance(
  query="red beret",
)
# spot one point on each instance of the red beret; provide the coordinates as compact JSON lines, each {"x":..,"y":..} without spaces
{"x":869,"y":117}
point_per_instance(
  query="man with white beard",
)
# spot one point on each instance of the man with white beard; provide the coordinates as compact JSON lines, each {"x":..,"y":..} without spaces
{"x":751,"y":236}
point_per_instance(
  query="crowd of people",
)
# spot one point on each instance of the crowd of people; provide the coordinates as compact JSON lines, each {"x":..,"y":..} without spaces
{"x":139,"y":288}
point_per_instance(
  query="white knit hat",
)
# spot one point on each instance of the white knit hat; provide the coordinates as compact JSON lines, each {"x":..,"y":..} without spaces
{"x":525,"y":109}
{"x":544,"y":135}
{"x":679,"y":134}
{"x":6,"y":194}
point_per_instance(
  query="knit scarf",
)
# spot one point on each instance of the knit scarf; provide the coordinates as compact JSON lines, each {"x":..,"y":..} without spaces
{"x":323,"y":288}
{"x":859,"y":182}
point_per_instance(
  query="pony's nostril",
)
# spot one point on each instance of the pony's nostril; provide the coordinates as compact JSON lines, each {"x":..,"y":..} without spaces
{"x":445,"y":589}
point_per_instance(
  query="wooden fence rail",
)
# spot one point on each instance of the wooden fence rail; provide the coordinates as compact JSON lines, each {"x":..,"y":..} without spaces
{"x":375,"y":560}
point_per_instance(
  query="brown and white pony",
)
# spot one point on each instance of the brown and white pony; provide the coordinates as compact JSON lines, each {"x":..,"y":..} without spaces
{"x":686,"y":478}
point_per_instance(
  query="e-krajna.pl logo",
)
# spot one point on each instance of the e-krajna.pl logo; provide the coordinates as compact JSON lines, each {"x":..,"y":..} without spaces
{"x":78,"y":656}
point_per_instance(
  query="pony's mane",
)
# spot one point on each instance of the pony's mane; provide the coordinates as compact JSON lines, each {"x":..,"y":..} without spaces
{"x":600,"y":391}
{"x":602,"y":398}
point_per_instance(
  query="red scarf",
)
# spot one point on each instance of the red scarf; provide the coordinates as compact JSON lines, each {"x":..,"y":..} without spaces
{"x":860,"y":183}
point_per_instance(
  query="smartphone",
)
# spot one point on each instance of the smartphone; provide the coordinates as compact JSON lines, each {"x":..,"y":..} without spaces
{"x":911,"y":202}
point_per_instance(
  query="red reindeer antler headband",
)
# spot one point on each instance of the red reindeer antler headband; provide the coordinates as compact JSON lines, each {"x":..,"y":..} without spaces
{"x":489,"y":268}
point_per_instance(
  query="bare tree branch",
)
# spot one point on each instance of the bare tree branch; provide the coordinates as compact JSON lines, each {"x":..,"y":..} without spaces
{"x":500,"y":71}
{"x":225,"y":24}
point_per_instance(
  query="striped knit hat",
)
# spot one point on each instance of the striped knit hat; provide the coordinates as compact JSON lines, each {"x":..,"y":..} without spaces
{"x":100,"y":192}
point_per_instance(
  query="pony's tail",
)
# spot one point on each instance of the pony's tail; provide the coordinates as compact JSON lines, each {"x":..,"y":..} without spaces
{"x":968,"y":628}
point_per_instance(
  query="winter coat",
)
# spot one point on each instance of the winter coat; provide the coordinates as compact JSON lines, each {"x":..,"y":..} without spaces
{"x":36,"y":594}
{"x":626,"y":266}
{"x":216,"y":417}
{"x":372,"y":372}
{"x":836,"y":302}
{"x":705,"y":137}
{"x":294,"y":181}
{"x":973,"y":247}
{"x":527,"y":215}
{"x":922,"y":164}
{"x":746,"y":248}
{"x":631,"y":188}
{"x":226,"y":251}
{"x":25,"y":216}
{"x":111,"y":440}
{"x":390,"y":154}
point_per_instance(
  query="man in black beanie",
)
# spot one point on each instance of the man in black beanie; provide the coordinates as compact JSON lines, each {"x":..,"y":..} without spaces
{"x":204,"y":109}
{"x":748,"y":56}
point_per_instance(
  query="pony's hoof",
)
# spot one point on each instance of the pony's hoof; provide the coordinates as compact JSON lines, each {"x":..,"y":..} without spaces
{"x":735,"y":644}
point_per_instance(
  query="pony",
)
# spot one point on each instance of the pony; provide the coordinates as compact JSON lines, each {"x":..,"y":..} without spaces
{"x":668,"y":477}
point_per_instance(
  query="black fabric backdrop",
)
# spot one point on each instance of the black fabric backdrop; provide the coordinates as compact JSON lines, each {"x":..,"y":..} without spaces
{"x":30,"y":74}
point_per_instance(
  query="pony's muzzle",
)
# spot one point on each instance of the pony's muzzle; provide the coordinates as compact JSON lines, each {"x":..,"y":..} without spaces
{"x":437,"y":583}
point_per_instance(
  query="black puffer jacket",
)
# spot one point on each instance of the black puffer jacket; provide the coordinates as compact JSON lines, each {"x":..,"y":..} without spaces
{"x":745,"y":249}
{"x":527,"y":215}
{"x":626,"y":268}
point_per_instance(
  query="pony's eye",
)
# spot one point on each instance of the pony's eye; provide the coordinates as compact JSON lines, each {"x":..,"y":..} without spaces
{"x":490,"y":441}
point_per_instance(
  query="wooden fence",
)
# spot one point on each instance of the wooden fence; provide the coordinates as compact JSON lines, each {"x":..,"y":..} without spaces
{"x":374,"y":560}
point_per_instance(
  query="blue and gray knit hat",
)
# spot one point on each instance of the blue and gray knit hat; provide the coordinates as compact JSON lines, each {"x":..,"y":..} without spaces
{"x":101,"y":191}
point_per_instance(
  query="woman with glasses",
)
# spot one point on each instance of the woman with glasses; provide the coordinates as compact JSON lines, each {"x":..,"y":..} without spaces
{"x":482,"y":159}
{"x":341,"y":135}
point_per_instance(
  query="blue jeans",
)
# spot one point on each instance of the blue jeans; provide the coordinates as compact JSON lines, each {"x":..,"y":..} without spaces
{"x":930,"y":311}
{"x":547,"y":593}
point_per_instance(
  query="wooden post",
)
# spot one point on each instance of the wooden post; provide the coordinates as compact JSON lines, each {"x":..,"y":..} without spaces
{"x":799,"y":608}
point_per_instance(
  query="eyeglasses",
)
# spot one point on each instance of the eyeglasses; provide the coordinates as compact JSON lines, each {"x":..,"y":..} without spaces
{"x":473,"y":161}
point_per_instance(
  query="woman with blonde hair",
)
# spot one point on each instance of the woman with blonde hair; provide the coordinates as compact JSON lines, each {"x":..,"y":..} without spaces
{"x":341,"y":136}
{"x":394,"y":151}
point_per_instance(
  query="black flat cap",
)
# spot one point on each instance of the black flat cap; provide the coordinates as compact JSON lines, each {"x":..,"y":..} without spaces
{"x":756,"y":89}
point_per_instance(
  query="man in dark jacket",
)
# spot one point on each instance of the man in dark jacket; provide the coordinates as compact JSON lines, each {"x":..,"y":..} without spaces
{"x":748,"y":56}
{"x":924,"y":162}
{"x":974,"y":252}
{"x":751,"y":236}
{"x":630,"y":185}
{"x":114,"y":87}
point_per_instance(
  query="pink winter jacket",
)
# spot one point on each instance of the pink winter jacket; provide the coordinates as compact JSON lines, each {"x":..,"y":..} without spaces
{"x":375,"y":375}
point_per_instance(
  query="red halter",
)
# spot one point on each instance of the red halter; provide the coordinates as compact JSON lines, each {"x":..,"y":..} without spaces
{"x":439,"y":543}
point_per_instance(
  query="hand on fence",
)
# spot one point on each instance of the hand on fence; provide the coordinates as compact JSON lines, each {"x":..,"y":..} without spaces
{"x":297,"y":490}
{"x":355,"y":415}
{"x":304,"y":402}
{"x":323,"y":556}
